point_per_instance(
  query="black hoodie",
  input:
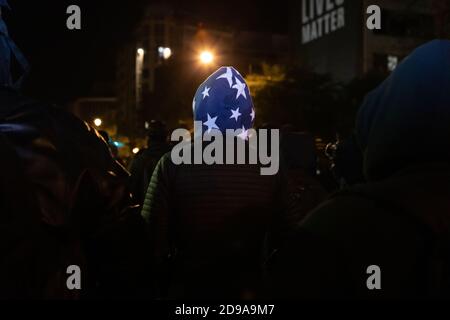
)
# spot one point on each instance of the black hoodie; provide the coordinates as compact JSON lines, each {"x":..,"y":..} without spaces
{"x":399,"y":221}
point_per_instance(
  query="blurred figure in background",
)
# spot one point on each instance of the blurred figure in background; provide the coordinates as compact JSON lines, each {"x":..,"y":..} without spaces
{"x":346,"y":161}
{"x":144,"y":163}
{"x":305,"y":190}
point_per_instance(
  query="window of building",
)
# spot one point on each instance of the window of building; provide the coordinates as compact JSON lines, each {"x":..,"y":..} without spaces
{"x":385,"y":63}
{"x":406,"y":24}
{"x":392,"y":62}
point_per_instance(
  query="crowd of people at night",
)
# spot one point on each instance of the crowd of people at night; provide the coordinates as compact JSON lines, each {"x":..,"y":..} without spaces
{"x":163,"y":231}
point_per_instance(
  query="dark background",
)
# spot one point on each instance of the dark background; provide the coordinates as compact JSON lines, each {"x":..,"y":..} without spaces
{"x":68,"y":64}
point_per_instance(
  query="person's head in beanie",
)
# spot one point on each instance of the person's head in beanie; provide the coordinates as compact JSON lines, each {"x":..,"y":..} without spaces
{"x":223,"y":102}
{"x":156,"y":132}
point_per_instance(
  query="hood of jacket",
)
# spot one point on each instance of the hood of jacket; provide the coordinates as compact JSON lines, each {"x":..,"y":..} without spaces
{"x":223,"y":102}
{"x":406,"y":120}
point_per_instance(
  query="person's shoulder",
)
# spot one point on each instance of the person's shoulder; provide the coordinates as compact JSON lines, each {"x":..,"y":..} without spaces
{"x":344,"y":212}
{"x":166,"y":159}
{"x":28,"y":109}
{"x":165,"y":164}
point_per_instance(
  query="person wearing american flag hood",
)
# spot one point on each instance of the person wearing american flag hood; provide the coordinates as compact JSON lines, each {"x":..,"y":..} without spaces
{"x":208,"y":223}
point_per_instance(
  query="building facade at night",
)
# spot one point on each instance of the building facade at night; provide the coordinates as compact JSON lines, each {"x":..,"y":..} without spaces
{"x":166,"y":49}
{"x":331,"y":36}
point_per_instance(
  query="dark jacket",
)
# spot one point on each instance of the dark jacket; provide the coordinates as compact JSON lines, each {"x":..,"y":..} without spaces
{"x":400,"y":219}
{"x":76,"y":211}
{"x":208,"y":226}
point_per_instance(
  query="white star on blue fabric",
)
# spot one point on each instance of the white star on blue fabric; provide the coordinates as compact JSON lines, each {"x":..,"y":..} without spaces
{"x":235,"y":114}
{"x":227,"y":75}
{"x":253,"y":114}
{"x":240,"y":87}
{"x":205,"y":92}
{"x":244,"y":134}
{"x":211,"y":123}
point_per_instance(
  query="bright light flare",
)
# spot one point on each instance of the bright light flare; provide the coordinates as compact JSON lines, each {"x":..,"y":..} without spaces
{"x":206,"y":57}
{"x":165,"y":52}
{"x":136,"y":150}
{"x":98,"y":122}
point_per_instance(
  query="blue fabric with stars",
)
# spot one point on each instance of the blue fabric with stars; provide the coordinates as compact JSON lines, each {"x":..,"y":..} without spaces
{"x":223,"y":102}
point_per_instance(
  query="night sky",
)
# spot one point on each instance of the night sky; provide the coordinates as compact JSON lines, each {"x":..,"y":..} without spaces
{"x":67,"y":64}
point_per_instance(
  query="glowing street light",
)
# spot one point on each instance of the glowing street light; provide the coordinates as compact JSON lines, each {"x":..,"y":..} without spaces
{"x":164,"y":52}
{"x":206,"y":57}
{"x":167,"y":53}
{"x":98,"y":122}
{"x":138,"y":75}
{"x":135,"y":150}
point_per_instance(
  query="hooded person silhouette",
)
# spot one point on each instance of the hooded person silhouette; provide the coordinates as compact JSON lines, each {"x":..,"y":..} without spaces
{"x":60,"y":191}
{"x":208,"y":222}
{"x":399,"y":220}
